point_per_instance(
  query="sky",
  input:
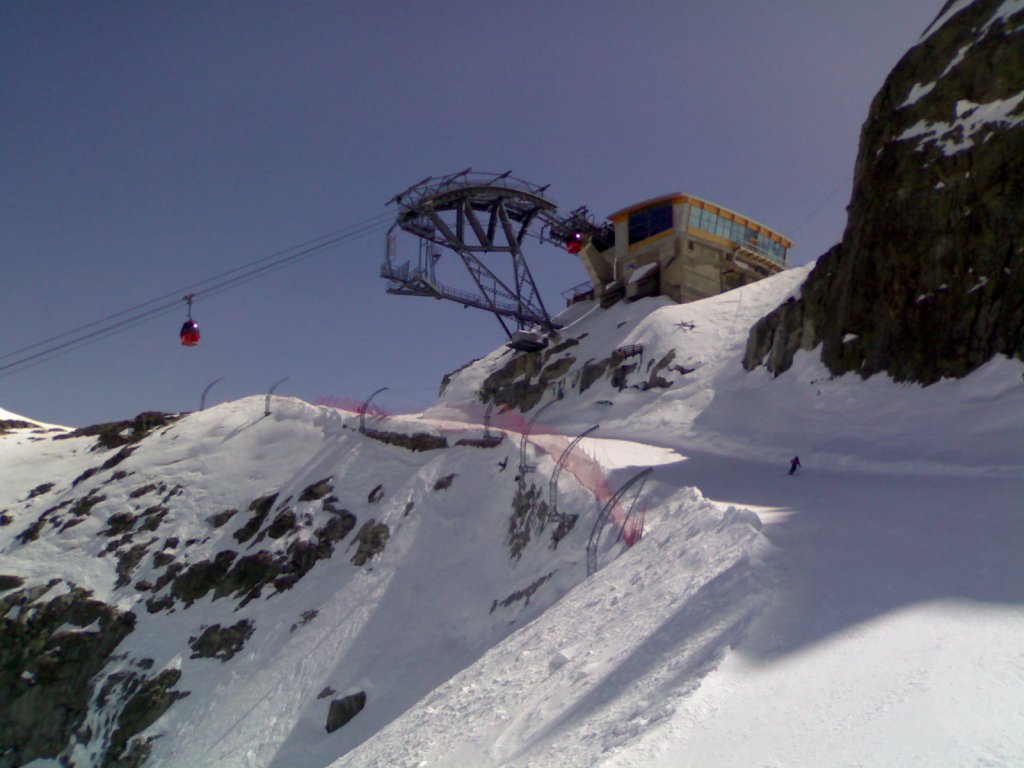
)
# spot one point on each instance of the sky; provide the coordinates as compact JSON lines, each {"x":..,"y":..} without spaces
{"x":146,"y":147}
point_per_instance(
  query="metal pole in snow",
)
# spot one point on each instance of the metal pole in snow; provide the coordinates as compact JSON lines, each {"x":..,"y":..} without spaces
{"x":524,"y":468}
{"x":559,"y":466}
{"x":266,"y":410}
{"x":202,"y":400}
{"x":363,"y":407}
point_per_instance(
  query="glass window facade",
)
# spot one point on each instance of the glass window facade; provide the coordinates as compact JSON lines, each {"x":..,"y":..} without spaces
{"x":734,"y":231}
{"x":650,"y":221}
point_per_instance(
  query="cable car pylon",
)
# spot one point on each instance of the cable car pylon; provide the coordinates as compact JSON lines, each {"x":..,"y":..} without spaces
{"x":482,"y":216}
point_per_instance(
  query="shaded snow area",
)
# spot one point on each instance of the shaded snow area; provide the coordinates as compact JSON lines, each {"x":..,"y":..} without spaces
{"x":866,"y":611}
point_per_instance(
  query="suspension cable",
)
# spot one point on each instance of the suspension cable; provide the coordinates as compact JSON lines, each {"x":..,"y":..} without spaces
{"x":825,"y":201}
{"x":165,"y":303}
{"x":373,"y":221}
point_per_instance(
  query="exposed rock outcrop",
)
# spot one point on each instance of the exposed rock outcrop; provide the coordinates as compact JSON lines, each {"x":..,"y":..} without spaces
{"x":217,"y":642}
{"x":443,"y":483}
{"x":117,"y":433}
{"x":928,"y":281}
{"x":316,"y":491}
{"x":419,"y":441}
{"x":51,"y":652}
{"x":491,"y":441}
{"x":344,"y":709}
{"x":524,"y":379}
{"x":529,"y":516}
{"x":145,"y":701}
{"x":371,"y":539}
{"x":521,"y":594}
{"x":7,"y":425}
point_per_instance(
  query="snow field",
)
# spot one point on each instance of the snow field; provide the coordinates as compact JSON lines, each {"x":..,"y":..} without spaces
{"x":600,"y":665}
{"x":866,"y":611}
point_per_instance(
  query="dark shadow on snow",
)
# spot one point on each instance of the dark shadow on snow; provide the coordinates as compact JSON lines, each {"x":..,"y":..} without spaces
{"x":674,"y":658}
{"x":852,"y":546}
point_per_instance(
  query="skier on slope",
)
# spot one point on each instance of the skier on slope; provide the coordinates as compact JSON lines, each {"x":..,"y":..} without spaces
{"x":793,"y":464}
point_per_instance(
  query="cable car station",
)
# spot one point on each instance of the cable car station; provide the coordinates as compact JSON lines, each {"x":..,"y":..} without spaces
{"x":677,"y":245}
{"x":682,"y":247}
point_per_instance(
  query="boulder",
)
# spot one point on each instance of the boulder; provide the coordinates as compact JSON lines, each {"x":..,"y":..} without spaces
{"x":344,"y":709}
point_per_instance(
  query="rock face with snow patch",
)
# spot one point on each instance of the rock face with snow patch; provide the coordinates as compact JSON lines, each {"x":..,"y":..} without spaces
{"x":928,"y":282}
{"x":51,"y":650}
{"x":151,"y":568}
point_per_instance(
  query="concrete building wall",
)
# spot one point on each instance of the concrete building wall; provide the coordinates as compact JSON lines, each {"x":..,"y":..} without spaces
{"x":695,"y":274}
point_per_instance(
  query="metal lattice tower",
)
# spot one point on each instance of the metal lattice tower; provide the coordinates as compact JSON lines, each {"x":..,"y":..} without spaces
{"x":479,"y":216}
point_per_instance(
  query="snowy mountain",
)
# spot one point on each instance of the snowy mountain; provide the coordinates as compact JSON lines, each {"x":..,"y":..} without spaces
{"x":591,"y":555}
{"x":247,"y":576}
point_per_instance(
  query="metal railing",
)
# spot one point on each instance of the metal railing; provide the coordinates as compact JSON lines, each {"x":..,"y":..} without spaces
{"x":577,"y":290}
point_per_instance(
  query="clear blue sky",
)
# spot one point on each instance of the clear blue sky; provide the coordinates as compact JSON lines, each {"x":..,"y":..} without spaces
{"x":144,"y":146}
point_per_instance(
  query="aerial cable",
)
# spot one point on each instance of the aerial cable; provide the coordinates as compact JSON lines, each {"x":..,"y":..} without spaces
{"x":288,"y":260}
{"x":165,"y":307}
{"x":100,"y":333}
{"x":828,"y":198}
{"x":241,"y":274}
{"x":354,"y":229}
{"x":290,"y":256}
{"x":32,"y":361}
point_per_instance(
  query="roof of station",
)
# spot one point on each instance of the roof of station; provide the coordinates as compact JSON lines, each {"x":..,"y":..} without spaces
{"x":698,"y":202}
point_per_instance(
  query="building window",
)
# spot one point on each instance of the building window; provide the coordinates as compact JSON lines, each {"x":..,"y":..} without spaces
{"x":737,"y":233}
{"x":650,"y":221}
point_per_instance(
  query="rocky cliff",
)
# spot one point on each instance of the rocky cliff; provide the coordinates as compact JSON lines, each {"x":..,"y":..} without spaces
{"x":928,"y":281}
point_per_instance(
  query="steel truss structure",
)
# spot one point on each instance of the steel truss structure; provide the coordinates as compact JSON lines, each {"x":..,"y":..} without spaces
{"x":478,"y":216}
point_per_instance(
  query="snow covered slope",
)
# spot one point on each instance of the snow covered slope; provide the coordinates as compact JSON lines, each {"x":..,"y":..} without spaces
{"x":232,"y":519}
{"x":876,"y":620}
{"x":867,"y":611}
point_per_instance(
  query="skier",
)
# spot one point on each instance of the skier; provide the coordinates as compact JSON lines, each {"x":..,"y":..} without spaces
{"x":793,"y":464}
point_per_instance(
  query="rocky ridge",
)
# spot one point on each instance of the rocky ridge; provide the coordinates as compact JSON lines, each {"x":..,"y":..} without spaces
{"x":928,"y":281}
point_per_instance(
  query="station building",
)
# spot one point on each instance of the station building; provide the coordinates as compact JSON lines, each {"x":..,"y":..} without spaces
{"x":682,"y":247}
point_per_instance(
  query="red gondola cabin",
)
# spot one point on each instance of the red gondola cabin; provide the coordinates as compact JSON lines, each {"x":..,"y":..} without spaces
{"x":190,"y":333}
